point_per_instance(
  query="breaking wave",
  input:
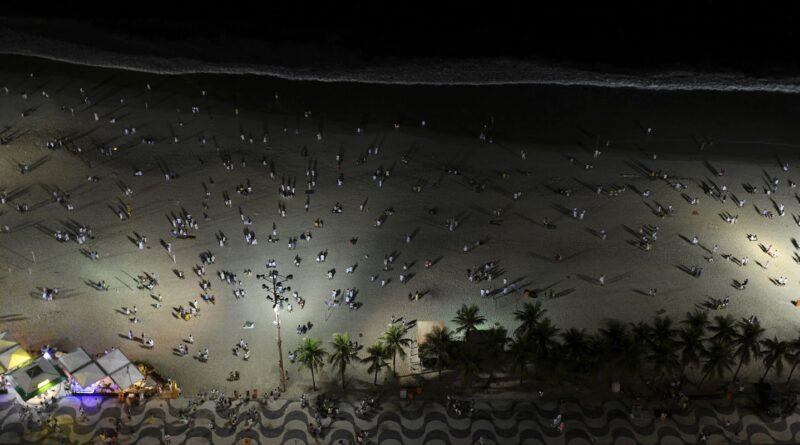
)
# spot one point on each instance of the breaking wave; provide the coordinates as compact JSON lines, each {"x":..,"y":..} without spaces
{"x":397,"y":72}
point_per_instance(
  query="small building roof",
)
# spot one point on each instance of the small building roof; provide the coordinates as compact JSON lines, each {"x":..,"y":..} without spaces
{"x":7,"y":340}
{"x":127,"y":376}
{"x":13,"y":357}
{"x":113,"y":361}
{"x":74,"y":360}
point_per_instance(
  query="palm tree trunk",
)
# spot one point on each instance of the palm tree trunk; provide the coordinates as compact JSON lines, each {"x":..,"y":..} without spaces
{"x":342,"y":378}
{"x":375,"y":382}
{"x":313,"y":382}
{"x":766,"y":371}
{"x":738,"y":368}
{"x":791,"y":372}
{"x":394,"y":361}
{"x":705,"y":376}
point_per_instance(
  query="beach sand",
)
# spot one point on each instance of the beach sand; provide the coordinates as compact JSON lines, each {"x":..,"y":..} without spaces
{"x":753,"y":133}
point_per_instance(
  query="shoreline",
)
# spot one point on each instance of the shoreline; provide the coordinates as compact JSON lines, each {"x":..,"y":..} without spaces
{"x":342,"y":66}
{"x":529,"y":115}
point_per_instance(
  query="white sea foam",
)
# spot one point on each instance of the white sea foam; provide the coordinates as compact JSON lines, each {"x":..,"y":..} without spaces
{"x":421,"y":72}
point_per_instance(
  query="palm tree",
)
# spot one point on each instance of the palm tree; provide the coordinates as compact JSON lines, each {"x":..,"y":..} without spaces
{"x":690,"y":342}
{"x":746,"y":343}
{"x":717,"y":359}
{"x":521,"y":353}
{"x":663,"y":347}
{"x":376,"y":358}
{"x":691,"y":339}
{"x":576,"y":347}
{"x":723,"y":329}
{"x":793,"y":356}
{"x":775,"y":353}
{"x":636,"y":349}
{"x":468,"y":319}
{"x":494,"y":347}
{"x":310,"y":354}
{"x":396,"y":343}
{"x":528,"y":316}
{"x":697,"y":320}
{"x":343,"y":353}
{"x":438,"y":346}
{"x":613,"y":342}
{"x":466,"y":362}
{"x":662,"y":331}
{"x":543,"y":336}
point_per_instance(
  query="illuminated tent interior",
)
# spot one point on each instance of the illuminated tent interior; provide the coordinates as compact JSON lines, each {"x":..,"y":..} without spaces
{"x":85,"y":375}
{"x":88,"y":376}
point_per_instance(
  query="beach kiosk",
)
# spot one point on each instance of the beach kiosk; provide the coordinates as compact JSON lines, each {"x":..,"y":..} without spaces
{"x":37,"y":380}
{"x":127,"y":376}
{"x":124,"y":374}
{"x":85,"y":376}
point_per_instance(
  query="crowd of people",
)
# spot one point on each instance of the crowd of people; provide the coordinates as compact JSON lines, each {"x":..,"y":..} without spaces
{"x":489,"y":277}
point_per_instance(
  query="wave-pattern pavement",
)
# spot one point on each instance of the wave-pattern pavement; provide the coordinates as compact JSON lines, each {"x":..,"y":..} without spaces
{"x":398,"y":422}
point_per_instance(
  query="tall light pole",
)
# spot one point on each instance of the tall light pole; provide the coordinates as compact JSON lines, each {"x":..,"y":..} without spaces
{"x":280,"y":349}
{"x":277,"y":302}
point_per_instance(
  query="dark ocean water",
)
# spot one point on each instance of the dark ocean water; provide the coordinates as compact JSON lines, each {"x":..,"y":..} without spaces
{"x":550,"y":56}
{"x":564,"y":102}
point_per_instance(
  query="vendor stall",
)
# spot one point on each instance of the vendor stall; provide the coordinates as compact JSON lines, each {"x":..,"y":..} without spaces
{"x":127,"y":376}
{"x":85,"y":376}
{"x":123,"y":374}
{"x":90,"y":379}
{"x":37,"y":380}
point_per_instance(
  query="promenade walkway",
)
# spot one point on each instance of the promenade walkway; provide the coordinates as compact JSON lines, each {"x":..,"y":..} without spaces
{"x":404,"y":422}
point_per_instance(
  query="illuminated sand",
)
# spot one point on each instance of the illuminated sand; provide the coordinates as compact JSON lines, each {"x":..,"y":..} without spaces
{"x":523,"y":247}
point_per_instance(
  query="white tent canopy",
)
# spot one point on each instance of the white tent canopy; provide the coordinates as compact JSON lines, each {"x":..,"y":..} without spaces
{"x":127,"y":376}
{"x":113,"y":361}
{"x":88,"y":375}
{"x":36,"y":375}
{"x":74,"y":360}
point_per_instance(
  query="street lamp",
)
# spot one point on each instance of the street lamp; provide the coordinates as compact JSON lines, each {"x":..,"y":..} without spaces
{"x":275,"y":296}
